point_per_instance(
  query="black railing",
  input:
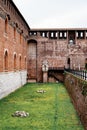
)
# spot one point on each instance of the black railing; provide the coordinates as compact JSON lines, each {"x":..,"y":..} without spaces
{"x":80,"y":73}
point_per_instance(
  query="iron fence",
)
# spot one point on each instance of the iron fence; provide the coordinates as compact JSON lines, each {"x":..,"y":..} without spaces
{"x":80,"y":73}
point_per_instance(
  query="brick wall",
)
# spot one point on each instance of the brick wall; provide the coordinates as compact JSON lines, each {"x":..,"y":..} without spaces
{"x":13,"y":48}
{"x":58,"y":50}
{"x":77,"y":89}
{"x":13,"y":34}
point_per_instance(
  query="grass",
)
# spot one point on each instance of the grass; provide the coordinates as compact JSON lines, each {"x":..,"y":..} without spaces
{"x":52,"y":110}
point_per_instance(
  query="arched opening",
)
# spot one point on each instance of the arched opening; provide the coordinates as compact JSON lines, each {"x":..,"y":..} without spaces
{"x":14,"y":61}
{"x":20,"y":62}
{"x":6,"y":61}
{"x":32,"y":59}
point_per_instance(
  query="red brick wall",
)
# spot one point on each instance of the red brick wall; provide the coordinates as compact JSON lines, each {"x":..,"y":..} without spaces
{"x":76,"y":87}
{"x":57,"y":50}
{"x":7,"y":42}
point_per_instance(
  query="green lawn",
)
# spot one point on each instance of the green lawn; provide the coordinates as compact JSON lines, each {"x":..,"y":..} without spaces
{"x":51,"y":110}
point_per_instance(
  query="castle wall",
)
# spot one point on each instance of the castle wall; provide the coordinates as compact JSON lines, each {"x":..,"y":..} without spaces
{"x":53,"y":52}
{"x":60,"y":47}
{"x":13,"y":48}
{"x":77,"y":88}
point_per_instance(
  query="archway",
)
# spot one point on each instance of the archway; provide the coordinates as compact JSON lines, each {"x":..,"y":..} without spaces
{"x":6,"y":60}
{"x":32,"y":59}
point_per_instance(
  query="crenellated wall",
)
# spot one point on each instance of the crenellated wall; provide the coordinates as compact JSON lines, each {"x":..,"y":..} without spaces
{"x":60,"y":47}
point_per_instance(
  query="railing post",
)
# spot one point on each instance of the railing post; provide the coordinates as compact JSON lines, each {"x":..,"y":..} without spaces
{"x":81,"y":74}
{"x":85,"y":75}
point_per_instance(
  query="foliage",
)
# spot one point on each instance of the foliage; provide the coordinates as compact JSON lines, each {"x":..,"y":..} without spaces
{"x":51,"y":110}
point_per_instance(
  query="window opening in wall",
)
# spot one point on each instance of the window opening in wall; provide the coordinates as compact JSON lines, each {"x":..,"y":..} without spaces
{"x":64,"y":34}
{"x":52,"y":34}
{"x":61,"y":35}
{"x":86,"y":34}
{"x":35,"y":33}
{"x":25,"y":62}
{"x":20,"y":63}
{"x":43,"y":34}
{"x":81,"y":34}
{"x":30,"y":33}
{"x":6,"y":60}
{"x":56,"y":34}
{"x":14,"y":61}
{"x":68,"y":62}
{"x":47,"y":34}
{"x":6,"y":25}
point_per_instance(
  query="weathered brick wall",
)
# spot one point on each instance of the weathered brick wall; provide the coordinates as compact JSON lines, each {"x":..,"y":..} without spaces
{"x":10,"y":42}
{"x":9,"y":8}
{"x":77,"y":89}
{"x":55,"y":52}
{"x":61,"y":48}
{"x":13,"y":43}
{"x":7,"y":42}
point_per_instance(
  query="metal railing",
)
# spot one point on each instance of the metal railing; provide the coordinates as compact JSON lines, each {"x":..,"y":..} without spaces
{"x":80,"y":73}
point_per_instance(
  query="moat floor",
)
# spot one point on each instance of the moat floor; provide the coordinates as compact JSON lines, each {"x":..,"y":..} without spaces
{"x":48,"y":105}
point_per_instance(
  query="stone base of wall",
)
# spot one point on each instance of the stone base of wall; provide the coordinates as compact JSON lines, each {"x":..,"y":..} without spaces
{"x":31,"y":81}
{"x":77,"y":89}
{"x":10,"y":81}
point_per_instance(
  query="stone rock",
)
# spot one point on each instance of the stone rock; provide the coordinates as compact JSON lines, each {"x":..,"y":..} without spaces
{"x":41,"y":91}
{"x":20,"y":114}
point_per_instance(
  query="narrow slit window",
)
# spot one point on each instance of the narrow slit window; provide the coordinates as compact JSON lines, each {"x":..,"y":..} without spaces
{"x":51,"y":34}
{"x":6,"y":25}
{"x":20,"y":63}
{"x":25,"y":62}
{"x":14,"y":32}
{"x":6,"y":61}
{"x":81,"y":34}
{"x":61,"y":34}
{"x":14,"y":61}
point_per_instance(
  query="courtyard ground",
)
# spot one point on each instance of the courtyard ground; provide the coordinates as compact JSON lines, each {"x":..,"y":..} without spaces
{"x":48,"y":105}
